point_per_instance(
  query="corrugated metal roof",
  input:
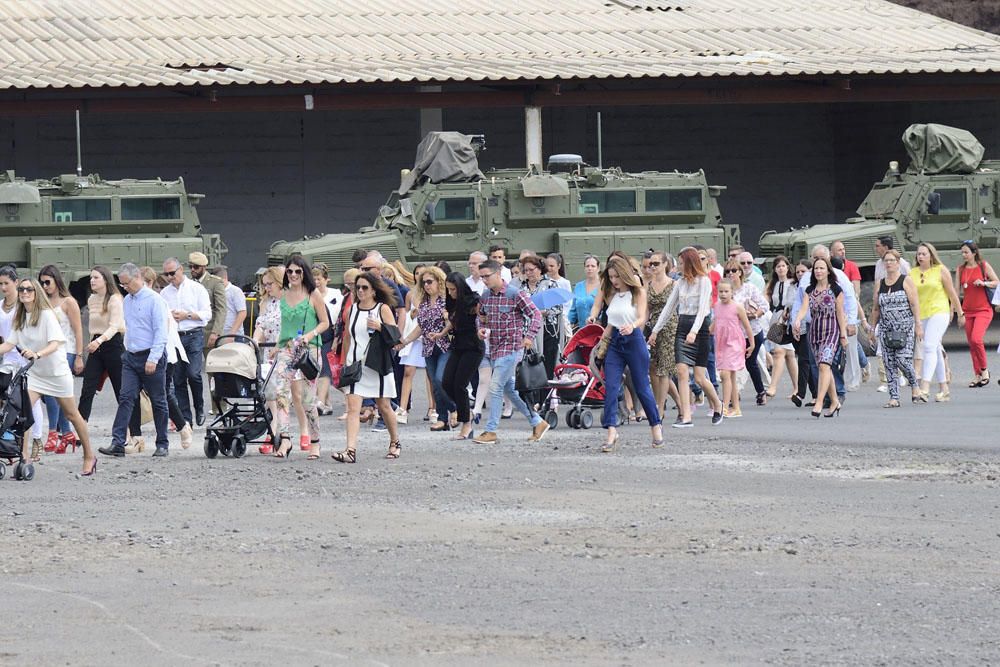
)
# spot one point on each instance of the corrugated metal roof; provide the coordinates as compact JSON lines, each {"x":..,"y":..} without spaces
{"x":219,"y":42}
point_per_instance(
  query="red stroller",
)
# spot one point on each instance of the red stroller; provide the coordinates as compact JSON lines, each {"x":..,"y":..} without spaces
{"x":575,"y":381}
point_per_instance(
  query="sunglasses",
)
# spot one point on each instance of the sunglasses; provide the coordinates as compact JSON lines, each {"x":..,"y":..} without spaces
{"x":363,"y":288}
{"x":653,"y":265}
{"x":294,"y":272}
{"x":25,"y":290}
{"x":46,"y":283}
{"x":427,"y":282}
{"x":170,"y":274}
{"x":734,"y":270}
{"x":746,"y":263}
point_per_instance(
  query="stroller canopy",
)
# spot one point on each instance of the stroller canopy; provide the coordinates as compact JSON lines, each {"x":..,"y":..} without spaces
{"x":236,"y":358}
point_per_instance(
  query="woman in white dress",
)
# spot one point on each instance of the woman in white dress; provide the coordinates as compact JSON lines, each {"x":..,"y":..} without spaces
{"x":8,"y":308}
{"x":37,"y":336}
{"x":67,"y":311}
{"x":374,"y":304}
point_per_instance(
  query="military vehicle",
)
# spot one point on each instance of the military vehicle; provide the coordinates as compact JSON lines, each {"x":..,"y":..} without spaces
{"x":77,"y":222}
{"x":948,"y":194}
{"x":446,"y":208}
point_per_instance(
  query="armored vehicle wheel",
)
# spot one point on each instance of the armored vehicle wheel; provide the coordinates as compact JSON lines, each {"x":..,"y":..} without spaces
{"x":17,"y":471}
{"x":552,"y":417}
{"x":211,"y":445}
{"x":28,"y":472}
{"x":3,"y":470}
{"x":586,"y":419}
{"x":571,"y":417}
{"x":239,"y":445}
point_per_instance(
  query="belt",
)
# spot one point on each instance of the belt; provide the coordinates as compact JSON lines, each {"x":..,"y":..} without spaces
{"x":140,"y":353}
{"x":188,"y":332}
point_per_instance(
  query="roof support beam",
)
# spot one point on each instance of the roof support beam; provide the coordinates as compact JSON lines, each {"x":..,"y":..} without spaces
{"x":704,"y":92}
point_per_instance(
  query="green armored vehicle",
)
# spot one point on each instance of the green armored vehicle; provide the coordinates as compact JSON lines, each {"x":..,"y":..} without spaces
{"x":947,"y":195}
{"x":77,"y":222}
{"x":445,"y":208}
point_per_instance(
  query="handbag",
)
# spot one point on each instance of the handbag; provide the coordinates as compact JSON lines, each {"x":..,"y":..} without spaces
{"x":351,"y":373}
{"x":990,"y":291}
{"x":531,"y":375}
{"x":145,"y":408}
{"x":894,"y":339}
{"x":304,"y":363}
{"x":866,"y":341}
{"x":779,"y":327}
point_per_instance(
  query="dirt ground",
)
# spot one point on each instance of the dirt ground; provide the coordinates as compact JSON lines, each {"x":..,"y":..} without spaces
{"x":870,"y":538}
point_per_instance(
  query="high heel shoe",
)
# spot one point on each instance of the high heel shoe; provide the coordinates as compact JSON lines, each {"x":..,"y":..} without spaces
{"x":51,"y":442}
{"x":346,"y":456}
{"x":441,"y":426}
{"x":304,"y":444}
{"x":394,"y":450}
{"x":796,"y":400}
{"x":91,"y":472}
{"x":283,"y":454}
{"x":834,"y":412}
{"x":816,"y":414}
{"x":610,"y":447}
{"x":36,"y":450}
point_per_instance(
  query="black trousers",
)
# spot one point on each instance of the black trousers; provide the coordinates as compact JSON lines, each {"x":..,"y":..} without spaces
{"x":173,"y":407}
{"x":806,"y":382}
{"x":106,"y":359}
{"x":462,"y":366}
{"x":753,"y":367}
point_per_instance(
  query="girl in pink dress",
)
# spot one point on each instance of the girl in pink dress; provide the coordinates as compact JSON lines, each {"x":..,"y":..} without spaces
{"x":731,"y":328}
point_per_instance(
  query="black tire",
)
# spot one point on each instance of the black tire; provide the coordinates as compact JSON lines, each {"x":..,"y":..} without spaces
{"x":571,"y":418}
{"x":552,"y":417}
{"x":211,"y":445}
{"x":28,"y":472}
{"x":17,"y":471}
{"x":3,"y":470}
{"x":238,"y":446}
{"x":586,"y":419}
{"x":225,"y":443}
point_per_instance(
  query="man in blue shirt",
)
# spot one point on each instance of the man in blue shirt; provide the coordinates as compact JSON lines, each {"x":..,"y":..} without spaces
{"x":144,"y":363}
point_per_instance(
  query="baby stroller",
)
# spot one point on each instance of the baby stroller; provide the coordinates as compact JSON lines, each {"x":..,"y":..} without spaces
{"x":576,"y":382}
{"x":234,"y":371}
{"x":15,"y":419}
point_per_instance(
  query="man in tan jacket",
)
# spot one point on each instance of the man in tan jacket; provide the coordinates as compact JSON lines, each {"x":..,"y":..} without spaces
{"x":198,"y":265}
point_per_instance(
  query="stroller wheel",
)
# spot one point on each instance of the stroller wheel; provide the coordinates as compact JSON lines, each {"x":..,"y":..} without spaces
{"x":552,"y":417}
{"x":586,"y":419}
{"x":571,"y":418}
{"x":3,"y":470}
{"x":211,"y":445}
{"x":238,"y":446}
{"x":17,"y":471}
{"x":27,"y":472}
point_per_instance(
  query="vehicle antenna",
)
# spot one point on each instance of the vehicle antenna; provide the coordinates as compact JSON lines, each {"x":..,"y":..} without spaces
{"x":600,"y":148}
{"x":79,"y":159}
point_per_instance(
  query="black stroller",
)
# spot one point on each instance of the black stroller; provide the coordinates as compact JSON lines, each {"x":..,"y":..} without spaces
{"x":15,"y":420}
{"x":234,"y":371}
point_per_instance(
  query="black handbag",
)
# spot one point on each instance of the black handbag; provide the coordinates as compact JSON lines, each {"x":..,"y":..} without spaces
{"x":531,"y":375}
{"x":894,"y":339}
{"x":305,"y":364}
{"x":350,"y":374}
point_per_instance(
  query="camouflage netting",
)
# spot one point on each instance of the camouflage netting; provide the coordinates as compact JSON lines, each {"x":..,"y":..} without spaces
{"x":443,"y":157}
{"x":937,"y":149}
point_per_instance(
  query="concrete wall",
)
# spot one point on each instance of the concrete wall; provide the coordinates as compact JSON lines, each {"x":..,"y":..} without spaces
{"x":274,"y":176}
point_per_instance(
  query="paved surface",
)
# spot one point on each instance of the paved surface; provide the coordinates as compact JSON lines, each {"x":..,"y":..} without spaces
{"x":866,"y":539}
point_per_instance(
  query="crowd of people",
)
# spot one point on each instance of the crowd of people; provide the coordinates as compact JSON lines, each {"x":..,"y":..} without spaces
{"x":677,"y":333}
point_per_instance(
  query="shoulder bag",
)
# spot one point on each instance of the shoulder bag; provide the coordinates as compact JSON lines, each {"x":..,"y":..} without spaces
{"x":351,"y":373}
{"x":779,"y":327}
{"x":531,"y":375}
{"x":304,"y":362}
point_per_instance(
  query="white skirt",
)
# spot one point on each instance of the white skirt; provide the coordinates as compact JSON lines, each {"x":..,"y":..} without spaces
{"x":415,"y":357}
{"x":58,"y":386}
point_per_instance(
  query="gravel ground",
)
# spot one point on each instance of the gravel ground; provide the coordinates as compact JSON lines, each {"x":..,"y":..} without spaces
{"x":870,"y":538}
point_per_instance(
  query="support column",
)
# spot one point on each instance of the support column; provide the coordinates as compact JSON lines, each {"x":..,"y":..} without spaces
{"x":533,"y":136}
{"x":430,"y":119}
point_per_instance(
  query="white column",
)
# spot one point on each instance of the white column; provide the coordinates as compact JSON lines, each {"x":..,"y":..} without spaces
{"x":533,"y":136}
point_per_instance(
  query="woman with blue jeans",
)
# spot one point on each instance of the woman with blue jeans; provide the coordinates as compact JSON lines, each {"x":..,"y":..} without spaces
{"x":432,"y":321}
{"x":67,"y":312}
{"x":627,"y":314}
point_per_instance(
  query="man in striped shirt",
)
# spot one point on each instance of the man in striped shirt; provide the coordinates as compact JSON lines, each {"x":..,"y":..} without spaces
{"x":510,"y":321}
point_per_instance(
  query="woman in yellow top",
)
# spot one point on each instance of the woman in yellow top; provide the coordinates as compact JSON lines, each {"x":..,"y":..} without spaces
{"x":938,"y":300}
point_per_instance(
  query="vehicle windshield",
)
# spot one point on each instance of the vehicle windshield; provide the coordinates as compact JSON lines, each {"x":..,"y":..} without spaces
{"x":883,"y":200}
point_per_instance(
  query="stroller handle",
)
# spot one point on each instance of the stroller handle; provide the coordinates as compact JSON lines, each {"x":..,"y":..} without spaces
{"x":243,"y":338}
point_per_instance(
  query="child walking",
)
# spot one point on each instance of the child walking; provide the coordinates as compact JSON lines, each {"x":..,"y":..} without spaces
{"x":731,"y":328}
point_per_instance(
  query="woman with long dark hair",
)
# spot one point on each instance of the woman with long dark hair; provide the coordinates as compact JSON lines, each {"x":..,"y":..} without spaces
{"x":374,"y":306}
{"x":67,"y":312}
{"x":466,"y":348}
{"x":303,"y":319}
{"x":823,"y":301}
{"x":691,"y":301}
{"x":780,"y":293}
{"x":975,"y":276}
{"x":806,"y":380}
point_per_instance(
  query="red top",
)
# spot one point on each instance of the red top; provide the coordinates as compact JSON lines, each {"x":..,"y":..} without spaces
{"x":715,"y":278}
{"x":851,"y":270}
{"x":974,"y":299}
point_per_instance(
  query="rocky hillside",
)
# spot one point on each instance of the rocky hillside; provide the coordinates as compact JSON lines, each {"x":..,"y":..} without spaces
{"x":981,"y":14}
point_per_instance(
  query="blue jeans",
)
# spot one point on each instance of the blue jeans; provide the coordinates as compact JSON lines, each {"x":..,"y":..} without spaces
{"x":502,"y":382}
{"x":57,"y":420}
{"x":628,"y":351}
{"x":435,"y":371}
{"x":190,"y":373}
{"x":134,"y":378}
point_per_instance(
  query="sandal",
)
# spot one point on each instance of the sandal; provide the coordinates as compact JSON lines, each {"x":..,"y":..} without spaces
{"x":313,"y":450}
{"x":278,"y":454}
{"x":346,"y":456}
{"x":394,"y":449}
{"x":984,"y":379}
{"x":609,"y":447}
{"x":367,"y":415}
{"x":891,"y":404}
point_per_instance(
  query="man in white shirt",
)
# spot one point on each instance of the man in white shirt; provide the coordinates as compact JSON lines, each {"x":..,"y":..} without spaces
{"x":236,"y":303}
{"x":191,"y":308}
{"x":475,"y":283}
{"x":751,"y":274}
{"x":499,"y":255}
{"x":883,"y":245}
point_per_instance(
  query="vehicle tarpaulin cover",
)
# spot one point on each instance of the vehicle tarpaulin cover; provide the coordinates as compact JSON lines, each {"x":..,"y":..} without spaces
{"x":937,"y":149}
{"x":443,"y":157}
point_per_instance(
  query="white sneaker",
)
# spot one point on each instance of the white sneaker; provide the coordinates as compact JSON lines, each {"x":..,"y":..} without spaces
{"x":882,"y":388}
{"x":186,"y":436}
{"x":401,"y":416}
